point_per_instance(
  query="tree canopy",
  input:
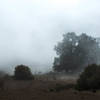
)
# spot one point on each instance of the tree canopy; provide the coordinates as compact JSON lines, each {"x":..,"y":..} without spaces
{"x":76,"y":51}
{"x":23,"y":72}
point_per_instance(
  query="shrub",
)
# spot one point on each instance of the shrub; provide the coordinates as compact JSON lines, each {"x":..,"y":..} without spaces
{"x":23,"y":72}
{"x":2,"y":75}
{"x":1,"y":83}
{"x":89,"y":78}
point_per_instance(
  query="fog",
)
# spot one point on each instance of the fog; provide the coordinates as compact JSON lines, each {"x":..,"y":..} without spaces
{"x":29,"y":29}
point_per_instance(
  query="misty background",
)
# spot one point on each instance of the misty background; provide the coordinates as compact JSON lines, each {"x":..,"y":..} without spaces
{"x":29,"y":29}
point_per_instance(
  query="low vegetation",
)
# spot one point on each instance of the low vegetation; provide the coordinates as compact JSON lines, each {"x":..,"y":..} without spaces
{"x":17,"y":88}
{"x":89,"y":78}
{"x":23,"y":72}
{"x":62,"y":87}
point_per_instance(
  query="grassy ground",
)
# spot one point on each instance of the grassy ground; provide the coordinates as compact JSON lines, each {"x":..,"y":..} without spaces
{"x":46,"y":90}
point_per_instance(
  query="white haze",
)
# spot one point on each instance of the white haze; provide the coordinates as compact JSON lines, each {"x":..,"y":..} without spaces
{"x":29,"y":29}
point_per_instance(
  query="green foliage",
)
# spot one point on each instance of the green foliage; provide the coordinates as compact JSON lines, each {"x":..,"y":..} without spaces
{"x":23,"y":72}
{"x":90,"y":78}
{"x":74,"y":52}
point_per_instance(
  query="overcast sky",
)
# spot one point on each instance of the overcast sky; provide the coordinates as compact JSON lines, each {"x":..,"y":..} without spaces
{"x":29,"y":29}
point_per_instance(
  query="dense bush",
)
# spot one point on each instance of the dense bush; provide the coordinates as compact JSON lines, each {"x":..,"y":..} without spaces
{"x":2,"y":79}
{"x":89,"y":78}
{"x":23,"y":72}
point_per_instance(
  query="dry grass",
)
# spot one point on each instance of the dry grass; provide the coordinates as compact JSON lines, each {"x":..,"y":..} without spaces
{"x":40,"y":90}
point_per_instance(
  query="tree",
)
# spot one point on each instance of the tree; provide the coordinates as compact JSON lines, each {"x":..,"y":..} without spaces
{"x":75,"y":52}
{"x":89,"y":78}
{"x":23,"y":72}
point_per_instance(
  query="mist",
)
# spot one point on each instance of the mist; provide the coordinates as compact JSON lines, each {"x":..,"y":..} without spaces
{"x":29,"y":29}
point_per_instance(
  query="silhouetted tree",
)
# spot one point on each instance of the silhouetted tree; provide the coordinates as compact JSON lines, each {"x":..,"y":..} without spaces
{"x":75,"y":52}
{"x":23,"y":72}
{"x":89,"y":78}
